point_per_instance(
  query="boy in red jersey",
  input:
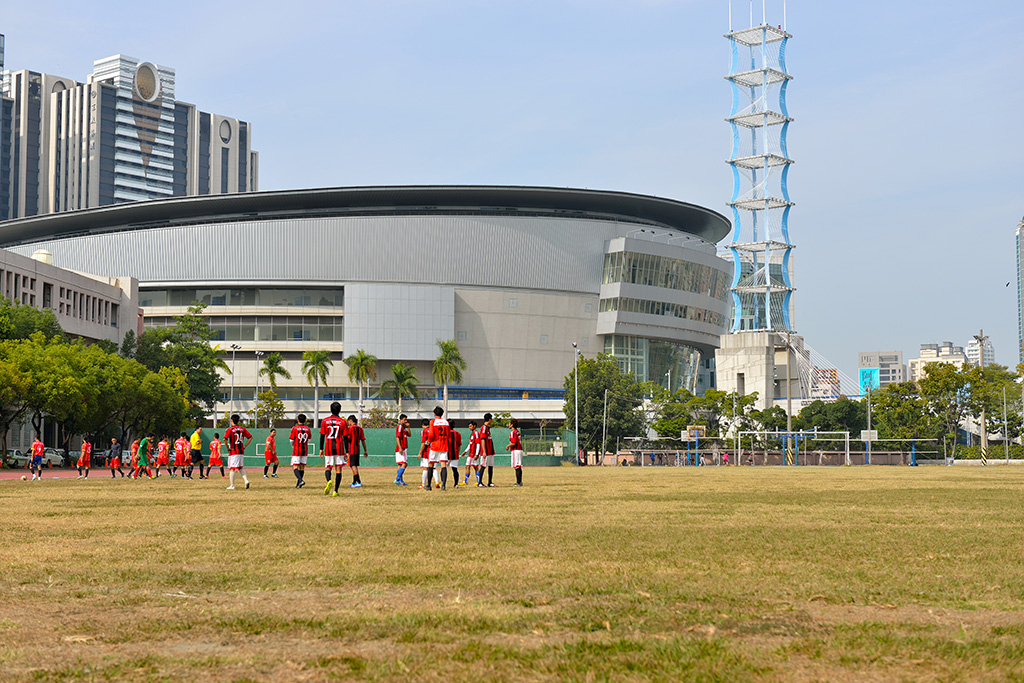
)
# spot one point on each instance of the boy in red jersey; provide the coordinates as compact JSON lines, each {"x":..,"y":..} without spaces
{"x":486,"y":451}
{"x":238,"y":439}
{"x":134,"y":462}
{"x":215,"y":458}
{"x":425,"y":453}
{"x":333,"y":429}
{"x":115,"y":458}
{"x":38,"y":449}
{"x":454,"y":447}
{"x":270,"y":454}
{"x":182,"y":457}
{"x":163,"y":457}
{"x":440,"y":433}
{"x":299,"y":438}
{"x":401,"y":447}
{"x":355,"y":436}
{"x":515,"y":447}
{"x":85,"y":459}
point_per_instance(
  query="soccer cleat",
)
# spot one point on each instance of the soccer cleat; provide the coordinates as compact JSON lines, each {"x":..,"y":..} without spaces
{"x":492,"y":486}
{"x":334,"y":494}
{"x":246,"y":484}
{"x":354,"y":485}
{"x":274,"y":476}
{"x":231,"y":488}
{"x":302,"y":482}
{"x":327,"y":489}
{"x":479,"y":485}
{"x":266,"y":477}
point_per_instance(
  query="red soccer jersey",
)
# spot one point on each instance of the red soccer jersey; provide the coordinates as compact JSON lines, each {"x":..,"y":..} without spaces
{"x":439,"y":433}
{"x":215,"y":449}
{"x":401,"y":437}
{"x":162,"y":449}
{"x":300,"y":436}
{"x":135,"y":453}
{"x":181,"y":449}
{"x":515,"y":441}
{"x":355,"y":435}
{"x":454,"y":444}
{"x":333,"y":429}
{"x":474,"y":443}
{"x":38,"y":448}
{"x":87,"y":449}
{"x":236,"y":436}
{"x":424,"y":440}
{"x":486,"y":445}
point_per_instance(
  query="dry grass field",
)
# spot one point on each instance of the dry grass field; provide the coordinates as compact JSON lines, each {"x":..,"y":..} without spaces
{"x":710,"y":574}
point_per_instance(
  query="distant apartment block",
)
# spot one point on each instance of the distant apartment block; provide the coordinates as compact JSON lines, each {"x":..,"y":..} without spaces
{"x":891,"y":368}
{"x":120,"y":136}
{"x":935,"y":353}
{"x":974,"y":353}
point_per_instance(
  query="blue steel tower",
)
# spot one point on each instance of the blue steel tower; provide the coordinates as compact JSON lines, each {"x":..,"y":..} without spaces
{"x":761,"y":248}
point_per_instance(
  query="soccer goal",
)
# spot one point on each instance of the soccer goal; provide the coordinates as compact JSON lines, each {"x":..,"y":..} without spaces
{"x":793,"y":448}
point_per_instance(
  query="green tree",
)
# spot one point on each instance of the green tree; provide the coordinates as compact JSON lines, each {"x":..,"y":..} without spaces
{"x":949,"y":394}
{"x":995,"y":379}
{"x":362,"y":367}
{"x":316,"y":367}
{"x":15,"y":385}
{"x":273,"y":368}
{"x":269,"y":409}
{"x":898,"y":411}
{"x":402,"y":383}
{"x":625,"y":399}
{"x":716,"y":410}
{"x":448,"y":366}
{"x":19,"y":321}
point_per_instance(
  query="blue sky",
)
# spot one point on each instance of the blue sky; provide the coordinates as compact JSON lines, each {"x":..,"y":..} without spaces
{"x":908,"y":180}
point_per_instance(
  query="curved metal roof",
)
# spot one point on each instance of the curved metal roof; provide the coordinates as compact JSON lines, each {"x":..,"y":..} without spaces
{"x":496,"y":200}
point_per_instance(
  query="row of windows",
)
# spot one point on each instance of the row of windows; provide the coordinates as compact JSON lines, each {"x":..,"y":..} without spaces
{"x":662,"y":362}
{"x":670,"y":273}
{"x":662,"y":308}
{"x":267,"y":328}
{"x":243,"y":296}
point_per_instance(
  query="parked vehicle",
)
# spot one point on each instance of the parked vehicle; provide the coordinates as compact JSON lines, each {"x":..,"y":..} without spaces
{"x":51,"y":456}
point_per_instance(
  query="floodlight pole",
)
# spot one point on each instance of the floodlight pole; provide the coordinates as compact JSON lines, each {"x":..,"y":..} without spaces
{"x":231,"y":404}
{"x":256,"y":409}
{"x":604,"y":428}
{"x":1006,"y":430}
{"x":576,"y":397}
{"x":789,"y":401}
{"x":981,"y":338}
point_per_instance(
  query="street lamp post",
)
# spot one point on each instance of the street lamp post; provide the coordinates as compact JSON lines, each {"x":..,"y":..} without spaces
{"x":576,"y":396}
{"x":231,"y":404}
{"x":256,"y":409}
{"x":981,"y":338}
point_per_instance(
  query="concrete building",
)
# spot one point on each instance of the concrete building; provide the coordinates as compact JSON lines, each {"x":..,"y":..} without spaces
{"x":974,"y":353}
{"x":757,"y":361}
{"x":120,"y":136}
{"x":891,"y":368}
{"x":935,"y":353}
{"x":513,"y":274}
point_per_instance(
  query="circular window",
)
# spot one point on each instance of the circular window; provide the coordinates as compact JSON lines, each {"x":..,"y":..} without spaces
{"x":147,"y":83}
{"x":225,"y":132}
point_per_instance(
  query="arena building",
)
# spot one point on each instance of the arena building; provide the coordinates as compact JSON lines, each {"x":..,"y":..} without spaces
{"x":514,"y":274}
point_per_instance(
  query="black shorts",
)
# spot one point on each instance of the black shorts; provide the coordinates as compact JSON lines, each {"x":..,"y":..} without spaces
{"x":197,"y":457}
{"x":353,"y":460}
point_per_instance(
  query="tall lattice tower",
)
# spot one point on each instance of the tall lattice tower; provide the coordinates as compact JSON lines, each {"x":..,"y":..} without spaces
{"x":761,"y":249}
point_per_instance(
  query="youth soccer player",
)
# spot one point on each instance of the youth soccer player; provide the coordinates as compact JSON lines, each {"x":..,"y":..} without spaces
{"x":115,"y":458}
{"x":515,"y":447}
{"x":473,"y":453}
{"x":37,"y":459}
{"x":332,"y":444}
{"x":454,"y":447}
{"x":270,"y":454}
{"x":145,"y":453}
{"x":355,"y":437}
{"x":440,"y":432}
{"x":85,"y":459}
{"x":487,"y":451}
{"x":299,"y":438}
{"x":215,"y":457}
{"x":238,"y":439}
{"x":425,"y":453}
{"x":163,"y":458}
{"x":181,"y":455}
{"x":134,"y":463}
{"x":401,"y":447}
{"x":195,"y":442}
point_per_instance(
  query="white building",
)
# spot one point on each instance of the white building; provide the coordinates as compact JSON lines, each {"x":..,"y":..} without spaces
{"x":891,"y":368}
{"x":974,"y":355}
{"x":935,"y":353}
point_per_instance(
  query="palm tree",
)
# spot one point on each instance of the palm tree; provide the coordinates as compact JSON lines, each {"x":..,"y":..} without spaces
{"x":273,"y":369}
{"x":403,"y":383}
{"x":449,"y":366}
{"x":362,"y":367}
{"x":316,"y":367}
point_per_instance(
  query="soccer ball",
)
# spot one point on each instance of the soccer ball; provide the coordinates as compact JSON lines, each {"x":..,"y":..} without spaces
{"x":24,"y":478}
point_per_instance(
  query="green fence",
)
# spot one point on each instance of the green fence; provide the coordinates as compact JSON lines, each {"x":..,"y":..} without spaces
{"x":380,"y":443}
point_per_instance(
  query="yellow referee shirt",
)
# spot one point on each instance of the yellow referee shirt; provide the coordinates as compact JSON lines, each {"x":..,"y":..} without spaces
{"x":196,"y":441}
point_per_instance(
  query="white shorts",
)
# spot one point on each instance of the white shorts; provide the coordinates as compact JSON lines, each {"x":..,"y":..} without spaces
{"x":473,"y":462}
{"x":425,"y":463}
{"x":438,"y":456}
{"x":453,"y":462}
{"x":334,"y":461}
{"x":298,"y":460}
{"x":401,"y":457}
{"x":517,"y":458}
{"x":487,"y":460}
{"x":235,"y":461}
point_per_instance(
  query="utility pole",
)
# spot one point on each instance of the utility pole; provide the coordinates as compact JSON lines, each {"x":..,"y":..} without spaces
{"x":789,"y":404}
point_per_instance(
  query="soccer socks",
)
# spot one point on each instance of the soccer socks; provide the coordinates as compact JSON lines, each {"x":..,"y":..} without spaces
{"x":430,"y":478}
{"x":398,"y":476}
{"x":275,"y":470}
{"x":455,"y":475}
{"x":266,"y":469}
{"x":356,"y":479}
{"x":490,"y":475}
{"x":337,"y":481}
{"x":519,"y":476}
{"x":426,"y":473}
{"x":189,"y":475}
{"x":444,"y":477}
{"x":327,"y":474}
{"x":231,"y":478}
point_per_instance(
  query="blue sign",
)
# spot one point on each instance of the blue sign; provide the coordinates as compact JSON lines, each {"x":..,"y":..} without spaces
{"x":868,"y":380}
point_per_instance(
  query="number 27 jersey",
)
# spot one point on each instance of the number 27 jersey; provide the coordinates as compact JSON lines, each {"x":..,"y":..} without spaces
{"x":333,"y":430}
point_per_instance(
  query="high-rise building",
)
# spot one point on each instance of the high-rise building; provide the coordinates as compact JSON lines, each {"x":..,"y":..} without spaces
{"x":935,"y":353}
{"x":120,"y":136}
{"x":891,"y":368}
{"x":974,"y":352}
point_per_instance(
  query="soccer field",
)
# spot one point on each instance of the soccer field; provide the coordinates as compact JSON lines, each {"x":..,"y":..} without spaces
{"x":584,"y":574}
